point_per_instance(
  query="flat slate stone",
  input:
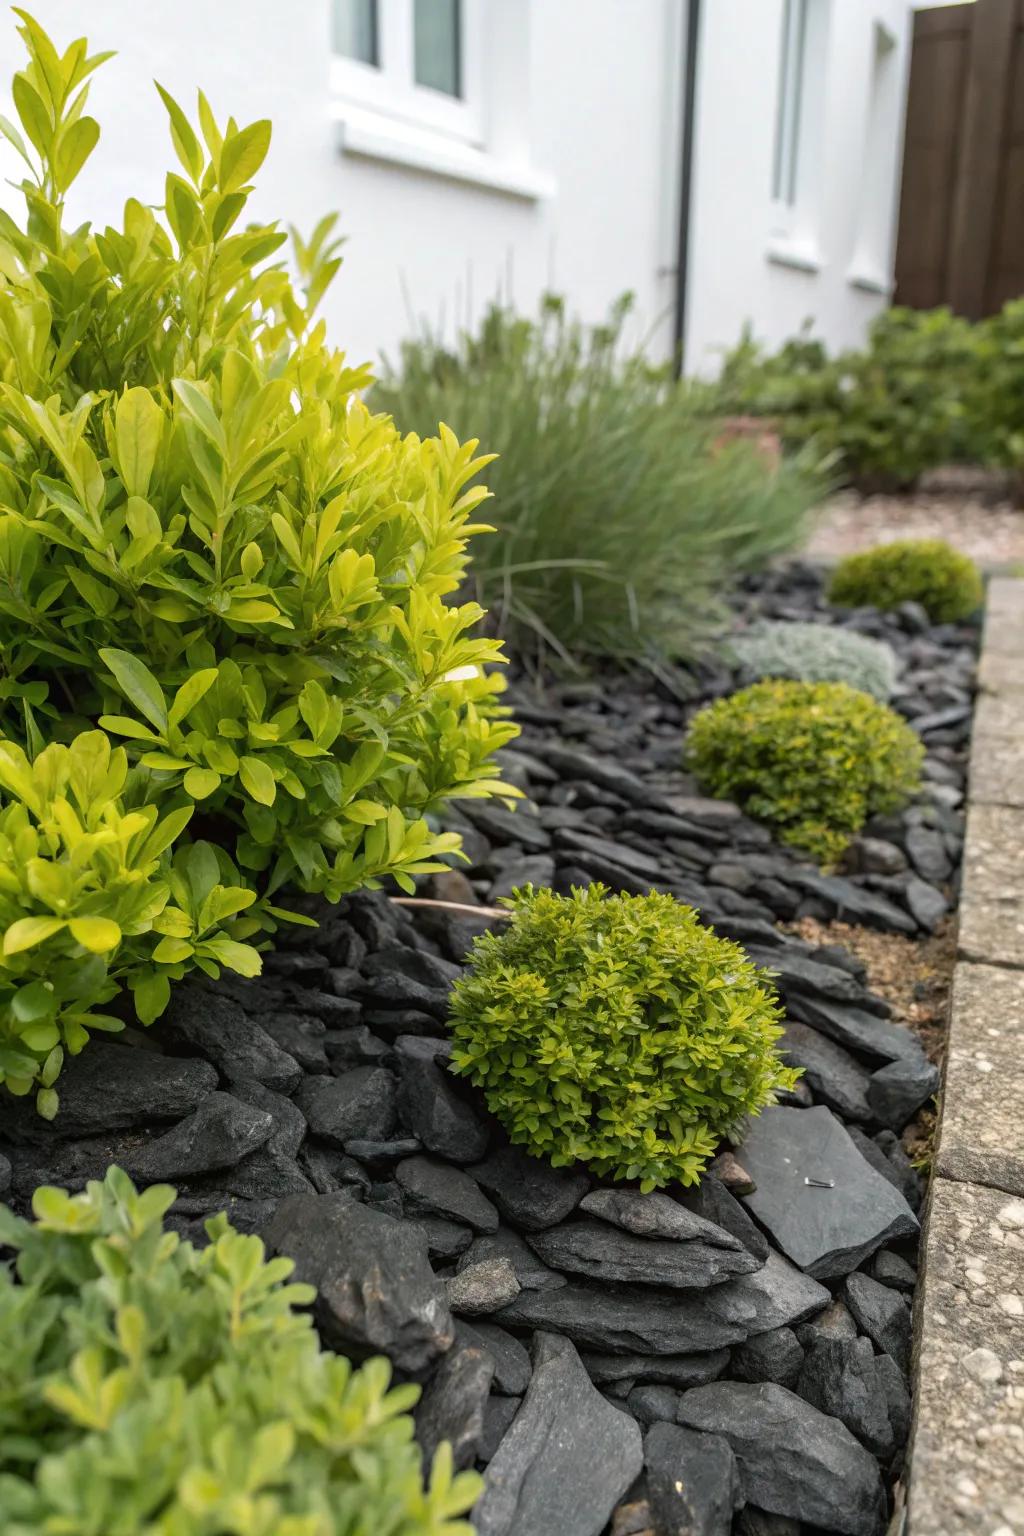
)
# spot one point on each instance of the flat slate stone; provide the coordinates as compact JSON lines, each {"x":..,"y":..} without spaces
{"x":831,"y":1073}
{"x":839,"y":1376}
{"x":432,"y":1110}
{"x":567,"y":1458}
{"x":693,"y":1482}
{"x":453,"y":1404}
{"x":439,"y":1189}
{"x":774,"y":1356}
{"x":217,"y":1135}
{"x":967,"y":1456}
{"x":826,"y":1232}
{"x":897,"y":1091}
{"x":792,"y":1459}
{"x":528,"y":1192}
{"x":506,"y":1244}
{"x":854,"y":903}
{"x":235,"y":1042}
{"x":624,"y":1320}
{"x":882,"y":1314}
{"x":991,"y":921}
{"x":678,"y":1371}
{"x":603,"y":1252}
{"x":979,"y":1133}
{"x":855,"y":1029}
{"x":512,"y":1368}
{"x":718,"y":1205}
{"x":376,"y":1291}
{"x":360,"y":1106}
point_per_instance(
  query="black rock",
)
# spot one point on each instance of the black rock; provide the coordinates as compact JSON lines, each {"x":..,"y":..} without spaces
{"x":228,"y":1037}
{"x":623,"y":1321}
{"x":692,"y":1481}
{"x":891,"y":1162}
{"x":111,"y":1088}
{"x":356,"y":1046}
{"x":897,"y":1091}
{"x":432,"y":1110}
{"x":651,"y":1404}
{"x":897,"y":1397}
{"x":716,"y":1204}
{"x":883,"y":1315}
{"x":289,"y":1122}
{"x":498,"y":1415}
{"x":928,"y":854}
{"x":759,"y":1522}
{"x":840,"y":1378}
{"x":831,"y":1073}
{"x":796,"y":973}
{"x":331,"y":1172}
{"x":360,"y":1106}
{"x":865,"y":1033}
{"x":793,"y":1460}
{"x":566,"y":1460}
{"x":679,"y":1371}
{"x":519,"y":826}
{"x":506,"y":1244}
{"x":773,"y":1356}
{"x":606,"y":850}
{"x":376,"y":1291}
{"x":874,"y":856}
{"x":827,"y":1231}
{"x":217,"y":1135}
{"x":512,"y":1369}
{"x":528,"y":1191}
{"x":453,"y":1404}
{"x":834,"y":1322}
{"x":5,"y":1176}
{"x":441,"y":1190}
{"x":264,"y":1175}
{"x":380,"y":1157}
{"x":602,"y":771}
{"x":928,"y":905}
{"x":853,"y":903}
{"x":301,"y":1036}
{"x":445,"y":1239}
{"x":604,"y":1252}
{"x":889,"y":1269}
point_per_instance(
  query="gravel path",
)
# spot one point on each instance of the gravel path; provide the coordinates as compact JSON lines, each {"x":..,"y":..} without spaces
{"x":991,"y":533}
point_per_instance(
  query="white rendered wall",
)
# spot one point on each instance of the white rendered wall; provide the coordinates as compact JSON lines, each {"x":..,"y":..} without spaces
{"x":586,"y":91}
{"x":732,"y":279}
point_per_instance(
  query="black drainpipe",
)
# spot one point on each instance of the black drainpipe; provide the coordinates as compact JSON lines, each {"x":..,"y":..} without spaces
{"x":685,"y":181}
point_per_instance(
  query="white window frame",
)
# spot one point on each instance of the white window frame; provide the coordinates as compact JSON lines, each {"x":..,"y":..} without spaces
{"x":871,"y":267}
{"x":799,"y":129}
{"x":390,"y":88}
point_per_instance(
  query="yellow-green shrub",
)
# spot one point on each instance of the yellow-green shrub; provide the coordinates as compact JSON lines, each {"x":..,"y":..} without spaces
{"x":931,"y":572}
{"x":813,"y":759}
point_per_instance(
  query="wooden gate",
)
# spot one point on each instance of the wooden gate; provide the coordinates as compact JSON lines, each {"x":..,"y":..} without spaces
{"x":961,"y":226}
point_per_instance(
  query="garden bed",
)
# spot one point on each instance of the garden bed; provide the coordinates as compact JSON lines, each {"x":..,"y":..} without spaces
{"x":769,"y":1309}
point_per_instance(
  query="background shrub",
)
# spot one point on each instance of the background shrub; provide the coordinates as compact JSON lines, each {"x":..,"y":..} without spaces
{"x":815,"y":653}
{"x":620,"y":521}
{"x":210,"y":547}
{"x":813,"y":759}
{"x":617,"y":1031}
{"x":147,"y":1386}
{"x":946,"y":583}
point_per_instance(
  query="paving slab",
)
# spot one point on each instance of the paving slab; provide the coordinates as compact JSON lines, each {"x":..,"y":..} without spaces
{"x":967,"y":1450}
{"x":981,"y":1138}
{"x":1001,"y":674}
{"x":997,"y":715}
{"x":1003,"y":634}
{"x":992,"y":899}
{"x":996,"y":774}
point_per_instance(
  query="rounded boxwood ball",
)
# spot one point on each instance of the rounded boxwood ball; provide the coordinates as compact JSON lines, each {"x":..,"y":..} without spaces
{"x":616,"y":1031}
{"x":946,"y":583}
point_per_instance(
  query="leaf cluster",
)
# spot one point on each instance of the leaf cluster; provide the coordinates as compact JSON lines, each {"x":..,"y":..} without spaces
{"x":148,"y":1388}
{"x":209,"y":547}
{"x":816,"y":653}
{"x":945,"y":582}
{"x":616,"y":1031}
{"x":815,"y":760}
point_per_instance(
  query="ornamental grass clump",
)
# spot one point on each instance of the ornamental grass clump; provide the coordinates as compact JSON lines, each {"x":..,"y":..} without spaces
{"x":616,"y":1031}
{"x":212,"y":550}
{"x":814,"y":760}
{"x":946,"y":583}
{"x":150,"y":1387}
{"x":814,"y":653}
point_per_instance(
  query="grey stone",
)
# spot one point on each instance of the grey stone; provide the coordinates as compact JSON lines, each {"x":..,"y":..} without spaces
{"x":301,"y":1036}
{"x":432,"y":1110}
{"x":5,"y":1176}
{"x":792,"y":1459}
{"x":356,"y":1046}
{"x":536,"y":869}
{"x":622,"y":1321}
{"x":897,"y":1397}
{"x":759,"y":1522}
{"x":570,"y":763}
{"x":890,"y":1269}
{"x":650,"y":1404}
{"x":380,"y":1157}
{"x":265,"y":1175}
{"x":289,"y":1122}
{"x":796,"y":973}
{"x":835,"y":1322}
{"x":928,"y":854}
{"x":773,"y":1356}
{"x":692,"y":1481}
{"x":528,"y":1191}
{"x":376,"y":1292}
{"x":603,"y":1252}
{"x":506,"y":1244}
{"x":482,"y":1288}
{"x":855,"y":1029}
{"x":840,"y":1378}
{"x":228,"y":1037}
{"x":332,"y":1172}
{"x":882,"y":1314}
{"x":928,"y":905}
{"x":111,"y":1088}
{"x":216,"y":1135}
{"x":453,"y":1404}
{"x":897,"y":1091}
{"x":566,"y":1460}
{"x":885,"y":1153}
{"x":358,"y":1106}
{"x":875,"y":856}
{"x":657,"y":1215}
{"x":512,"y":1367}
{"x":826,"y":1231}
{"x":679,"y":1371}
{"x":831,"y":1073}
{"x":498,"y":1415}
{"x":979,"y":1139}
{"x":853,"y":903}
{"x":445,"y":1239}
{"x":716,"y":1204}
{"x":441,"y":1190}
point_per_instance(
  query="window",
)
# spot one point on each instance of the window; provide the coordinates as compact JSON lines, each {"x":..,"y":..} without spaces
{"x":791,"y":84}
{"x":876,"y":214}
{"x":416,"y":61}
{"x":799,"y":128}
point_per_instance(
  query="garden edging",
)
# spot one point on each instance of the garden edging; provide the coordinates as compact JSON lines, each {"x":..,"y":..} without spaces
{"x":967,"y":1448}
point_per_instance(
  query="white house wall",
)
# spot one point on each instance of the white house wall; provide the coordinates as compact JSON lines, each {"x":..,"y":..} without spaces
{"x":582,"y":95}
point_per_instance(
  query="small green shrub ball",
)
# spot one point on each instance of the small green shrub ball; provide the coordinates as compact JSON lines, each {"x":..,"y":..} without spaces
{"x":931,"y":572}
{"x":616,"y":1031}
{"x":815,"y":760}
{"x":818,"y":653}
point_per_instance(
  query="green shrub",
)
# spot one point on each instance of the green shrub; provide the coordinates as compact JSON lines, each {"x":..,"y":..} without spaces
{"x":209,"y":546}
{"x":818,"y":653}
{"x":616,"y":1031}
{"x":150,"y":1389}
{"x":945,"y":582}
{"x":994,"y":400}
{"x":620,"y":522}
{"x":813,"y":759}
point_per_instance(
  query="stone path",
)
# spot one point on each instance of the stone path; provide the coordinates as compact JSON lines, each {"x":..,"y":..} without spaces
{"x":991,"y":534}
{"x":967,"y":1455}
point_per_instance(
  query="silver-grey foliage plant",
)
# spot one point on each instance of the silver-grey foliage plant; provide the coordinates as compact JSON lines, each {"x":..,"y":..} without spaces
{"x":815,"y":653}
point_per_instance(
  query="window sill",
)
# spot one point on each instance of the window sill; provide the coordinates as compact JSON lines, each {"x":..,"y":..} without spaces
{"x":373,"y":136}
{"x":799,"y":255}
{"x":870,"y":279}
